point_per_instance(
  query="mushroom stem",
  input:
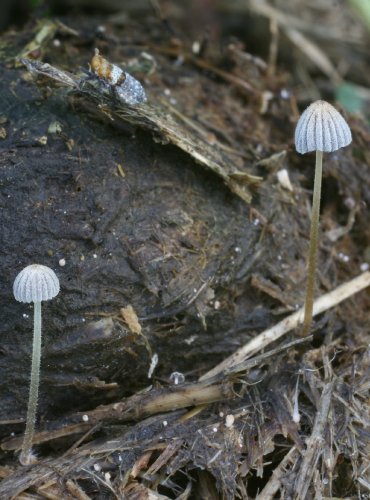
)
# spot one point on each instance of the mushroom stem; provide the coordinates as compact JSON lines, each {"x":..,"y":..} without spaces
{"x":26,"y":453}
{"x":312,"y":253}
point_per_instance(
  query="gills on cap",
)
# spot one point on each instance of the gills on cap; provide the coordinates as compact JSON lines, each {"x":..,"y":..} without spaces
{"x":36,"y":283}
{"x":321,"y":128}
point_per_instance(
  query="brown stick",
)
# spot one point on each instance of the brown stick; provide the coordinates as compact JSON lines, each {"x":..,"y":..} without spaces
{"x":135,"y":408}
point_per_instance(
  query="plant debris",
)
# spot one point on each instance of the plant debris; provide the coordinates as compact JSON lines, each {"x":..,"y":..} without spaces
{"x":172,"y":365}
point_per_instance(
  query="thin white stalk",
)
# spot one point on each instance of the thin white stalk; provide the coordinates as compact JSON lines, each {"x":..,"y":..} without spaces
{"x":312,"y":253}
{"x":26,"y":453}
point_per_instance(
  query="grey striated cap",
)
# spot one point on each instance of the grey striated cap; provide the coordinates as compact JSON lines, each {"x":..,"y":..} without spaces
{"x":36,"y":283}
{"x":321,"y":128}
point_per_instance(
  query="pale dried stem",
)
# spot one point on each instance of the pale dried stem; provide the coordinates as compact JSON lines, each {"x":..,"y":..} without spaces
{"x":315,"y":444}
{"x":280,"y":472}
{"x":265,"y":338}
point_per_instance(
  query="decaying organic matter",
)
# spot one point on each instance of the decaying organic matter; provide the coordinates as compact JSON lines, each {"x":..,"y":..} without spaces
{"x":176,"y":243}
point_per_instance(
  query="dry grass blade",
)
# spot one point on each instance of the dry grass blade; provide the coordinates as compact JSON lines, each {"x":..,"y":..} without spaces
{"x":287,"y":20}
{"x":265,"y":338}
{"x":314,"y":53}
{"x":315,"y":444}
{"x":75,"y":490}
{"x":274,"y":484}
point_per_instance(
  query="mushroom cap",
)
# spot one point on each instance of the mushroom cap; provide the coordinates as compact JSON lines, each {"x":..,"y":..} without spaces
{"x":321,"y":128}
{"x":36,"y":283}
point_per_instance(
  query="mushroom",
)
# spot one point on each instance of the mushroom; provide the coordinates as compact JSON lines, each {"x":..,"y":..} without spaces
{"x":320,"y":128}
{"x":34,"y":283}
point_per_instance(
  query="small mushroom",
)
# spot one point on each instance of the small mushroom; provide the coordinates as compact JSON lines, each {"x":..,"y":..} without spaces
{"x":320,"y":128}
{"x":34,"y":283}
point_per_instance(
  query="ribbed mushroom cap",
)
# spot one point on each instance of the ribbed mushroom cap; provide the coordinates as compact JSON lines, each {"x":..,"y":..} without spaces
{"x":321,"y":128}
{"x":35,"y":283}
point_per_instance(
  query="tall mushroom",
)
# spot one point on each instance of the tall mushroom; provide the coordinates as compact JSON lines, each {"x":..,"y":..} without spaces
{"x":321,"y":128}
{"x":34,"y":283}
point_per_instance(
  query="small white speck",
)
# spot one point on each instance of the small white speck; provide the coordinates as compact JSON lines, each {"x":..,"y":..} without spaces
{"x":97,"y":467}
{"x":217,"y":305}
{"x":165,"y":423}
{"x":101,"y":29}
{"x":65,"y":212}
{"x":279,"y":257}
{"x":95,"y":256}
{"x":107,"y":477}
{"x":256,"y":222}
{"x":284,"y":180}
{"x":229,"y":421}
{"x":343,"y":257}
{"x":56,"y":42}
{"x":42,"y":140}
{"x":284,"y":94}
{"x":221,"y":414}
{"x":350,"y":203}
{"x":85,"y":418}
{"x":296,"y":416}
{"x":195,"y":290}
{"x":62,"y":262}
{"x":195,"y":47}
{"x":26,"y":316}
{"x":12,"y":434}
{"x":325,"y":480}
{"x":214,"y":429}
{"x":237,"y":249}
{"x":153,"y":364}
{"x":364,"y":266}
{"x":190,"y":340}
{"x":167,"y":92}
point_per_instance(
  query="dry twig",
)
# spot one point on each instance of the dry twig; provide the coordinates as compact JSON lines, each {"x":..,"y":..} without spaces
{"x":265,"y":338}
{"x":315,"y":444}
